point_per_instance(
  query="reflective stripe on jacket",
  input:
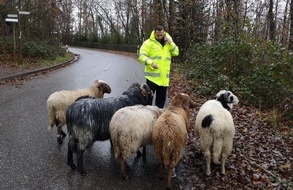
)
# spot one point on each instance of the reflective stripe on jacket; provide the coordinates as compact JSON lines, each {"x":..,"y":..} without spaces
{"x":152,"y":51}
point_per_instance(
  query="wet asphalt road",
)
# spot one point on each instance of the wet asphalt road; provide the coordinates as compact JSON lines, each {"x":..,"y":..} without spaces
{"x":30,"y":157}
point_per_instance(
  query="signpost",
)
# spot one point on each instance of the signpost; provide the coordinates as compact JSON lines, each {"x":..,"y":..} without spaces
{"x":13,"y":18}
{"x":16,"y":18}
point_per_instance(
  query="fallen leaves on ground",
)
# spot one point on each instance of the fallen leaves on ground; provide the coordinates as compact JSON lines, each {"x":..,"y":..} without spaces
{"x":262,"y":154}
{"x":261,"y":158}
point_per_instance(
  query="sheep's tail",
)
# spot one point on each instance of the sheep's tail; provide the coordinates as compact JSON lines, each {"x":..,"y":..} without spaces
{"x":167,"y":155}
{"x":52,"y":118}
{"x":217,"y":149}
{"x":116,"y":147}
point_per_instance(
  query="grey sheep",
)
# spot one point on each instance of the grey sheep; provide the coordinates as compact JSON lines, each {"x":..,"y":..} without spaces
{"x":88,"y":119}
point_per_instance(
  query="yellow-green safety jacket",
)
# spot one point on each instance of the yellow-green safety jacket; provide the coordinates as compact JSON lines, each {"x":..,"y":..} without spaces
{"x":152,"y":51}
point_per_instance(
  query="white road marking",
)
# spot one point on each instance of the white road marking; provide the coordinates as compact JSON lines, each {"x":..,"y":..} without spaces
{"x":107,"y":67}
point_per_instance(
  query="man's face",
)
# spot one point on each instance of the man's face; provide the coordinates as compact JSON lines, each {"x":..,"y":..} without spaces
{"x":159,"y":35}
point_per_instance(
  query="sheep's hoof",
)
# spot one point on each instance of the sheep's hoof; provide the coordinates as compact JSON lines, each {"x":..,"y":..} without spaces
{"x":138,"y":153}
{"x":82,"y":172}
{"x":59,"y":140}
{"x":50,"y":128}
{"x":127,"y":168}
{"x":125,"y":177}
{"x":63,"y":135}
{"x":73,"y":167}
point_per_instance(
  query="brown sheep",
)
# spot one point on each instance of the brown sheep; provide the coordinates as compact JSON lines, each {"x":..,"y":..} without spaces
{"x":170,"y":133}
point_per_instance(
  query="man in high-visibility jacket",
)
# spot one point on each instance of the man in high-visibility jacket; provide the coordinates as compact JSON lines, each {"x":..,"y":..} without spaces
{"x":156,"y":53}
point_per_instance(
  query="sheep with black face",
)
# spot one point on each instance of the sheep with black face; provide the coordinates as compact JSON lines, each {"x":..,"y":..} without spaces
{"x":215,"y":126}
{"x":88,"y":120}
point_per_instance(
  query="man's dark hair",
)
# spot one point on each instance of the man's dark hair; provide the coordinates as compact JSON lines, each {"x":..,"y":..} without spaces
{"x":159,"y":28}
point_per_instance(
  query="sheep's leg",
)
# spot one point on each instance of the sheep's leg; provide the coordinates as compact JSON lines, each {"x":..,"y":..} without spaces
{"x":169,"y":182}
{"x":124,"y":169}
{"x":207,"y":155}
{"x":70,"y":158}
{"x":144,"y":152}
{"x":63,"y":134}
{"x":80,"y":168}
{"x":51,"y":125}
{"x":161,"y":170}
{"x":60,"y":134}
{"x":223,"y":160}
{"x":138,"y":153}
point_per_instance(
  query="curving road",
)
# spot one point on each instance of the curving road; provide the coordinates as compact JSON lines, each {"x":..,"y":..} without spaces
{"x":30,"y":157}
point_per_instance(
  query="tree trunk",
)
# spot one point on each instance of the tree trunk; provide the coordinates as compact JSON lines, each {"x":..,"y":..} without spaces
{"x":271,"y":22}
{"x":284,"y":35}
{"x":291,"y":26}
{"x":236,"y":18}
{"x":158,"y":14}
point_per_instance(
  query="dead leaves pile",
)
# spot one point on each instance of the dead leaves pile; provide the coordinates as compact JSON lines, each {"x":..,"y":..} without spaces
{"x":261,"y":158}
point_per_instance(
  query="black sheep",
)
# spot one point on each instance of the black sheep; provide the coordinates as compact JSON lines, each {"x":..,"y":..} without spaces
{"x":88,"y":119}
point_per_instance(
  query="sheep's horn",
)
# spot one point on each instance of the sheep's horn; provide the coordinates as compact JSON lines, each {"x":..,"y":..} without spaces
{"x":104,"y":87}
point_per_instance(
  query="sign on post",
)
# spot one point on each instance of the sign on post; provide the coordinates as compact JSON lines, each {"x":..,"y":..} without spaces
{"x":12,"y":15}
{"x":11,"y":20}
{"x":24,"y":12}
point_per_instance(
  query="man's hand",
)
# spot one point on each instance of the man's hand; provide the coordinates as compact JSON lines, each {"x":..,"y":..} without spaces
{"x":167,"y":40}
{"x":154,"y":65}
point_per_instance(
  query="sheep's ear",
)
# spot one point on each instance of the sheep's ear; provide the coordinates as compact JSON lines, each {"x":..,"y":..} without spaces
{"x":191,"y":103}
{"x":104,"y":87}
{"x":182,"y":100}
{"x":185,"y":103}
{"x":188,"y":103}
{"x":176,"y":100}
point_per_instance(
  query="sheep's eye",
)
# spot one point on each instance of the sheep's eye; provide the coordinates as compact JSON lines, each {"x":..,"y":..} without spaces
{"x":231,"y":98}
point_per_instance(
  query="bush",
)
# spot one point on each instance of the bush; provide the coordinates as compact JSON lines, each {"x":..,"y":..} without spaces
{"x":42,"y":50}
{"x":259,"y":73}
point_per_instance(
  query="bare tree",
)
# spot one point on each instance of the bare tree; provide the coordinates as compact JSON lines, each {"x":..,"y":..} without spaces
{"x":271,"y":21}
{"x":158,"y":16}
{"x":285,"y":26}
{"x":219,"y":19}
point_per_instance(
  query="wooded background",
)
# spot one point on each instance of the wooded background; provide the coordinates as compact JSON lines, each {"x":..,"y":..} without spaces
{"x":131,"y":21}
{"x":244,"y":46}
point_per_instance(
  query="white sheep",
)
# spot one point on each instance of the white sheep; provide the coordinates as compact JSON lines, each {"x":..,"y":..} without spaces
{"x":215,"y":127}
{"x":58,"y":103}
{"x":131,"y":128}
{"x":170,"y":133}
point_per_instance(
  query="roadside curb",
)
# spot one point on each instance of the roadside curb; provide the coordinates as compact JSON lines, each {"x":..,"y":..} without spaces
{"x":74,"y":58}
